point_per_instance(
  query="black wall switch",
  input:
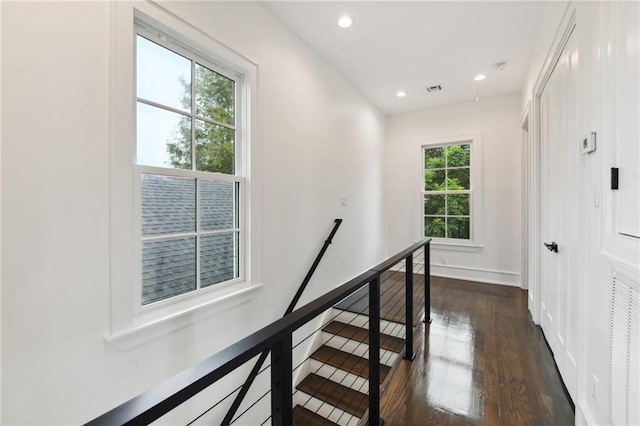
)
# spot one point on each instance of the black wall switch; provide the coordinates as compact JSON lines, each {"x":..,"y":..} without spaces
{"x":614,"y":178}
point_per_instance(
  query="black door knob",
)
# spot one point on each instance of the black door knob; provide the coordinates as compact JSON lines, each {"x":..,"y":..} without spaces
{"x":551,"y":246}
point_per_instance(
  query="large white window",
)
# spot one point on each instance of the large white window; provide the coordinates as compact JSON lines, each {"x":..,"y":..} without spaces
{"x":190,"y":182}
{"x":447,"y":191}
{"x":183,"y":156}
{"x":449,"y":184}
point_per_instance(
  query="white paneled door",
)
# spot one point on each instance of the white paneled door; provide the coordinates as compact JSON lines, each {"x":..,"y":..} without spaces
{"x":560,"y":155}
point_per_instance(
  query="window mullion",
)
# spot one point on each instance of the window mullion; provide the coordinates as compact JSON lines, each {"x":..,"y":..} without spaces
{"x":217,"y":123}
{"x":446,"y":195}
{"x":193,"y":167}
{"x":446,"y":213}
{"x":162,"y":106}
{"x":198,"y":236}
{"x":193,"y":114}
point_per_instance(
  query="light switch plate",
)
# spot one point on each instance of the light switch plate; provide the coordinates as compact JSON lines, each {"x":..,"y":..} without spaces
{"x":589,"y":142}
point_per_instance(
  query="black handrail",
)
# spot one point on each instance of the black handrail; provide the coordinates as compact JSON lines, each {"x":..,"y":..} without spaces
{"x":167,"y":395}
{"x":313,"y":268}
{"x":263,"y":357}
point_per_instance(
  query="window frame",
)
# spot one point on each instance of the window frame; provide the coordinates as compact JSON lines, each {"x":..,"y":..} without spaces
{"x":156,"y":35}
{"x":474,"y":243}
{"x":197,"y":234}
{"x":130,"y":326}
{"x":447,"y":191}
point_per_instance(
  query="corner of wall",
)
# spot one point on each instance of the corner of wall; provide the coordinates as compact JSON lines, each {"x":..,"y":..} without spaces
{"x":1,"y":322}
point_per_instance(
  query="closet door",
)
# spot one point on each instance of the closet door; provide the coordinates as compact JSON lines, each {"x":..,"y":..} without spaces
{"x":560,"y":197}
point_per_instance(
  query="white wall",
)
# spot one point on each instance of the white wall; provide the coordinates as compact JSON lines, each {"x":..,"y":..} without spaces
{"x":0,"y":220}
{"x":552,"y":18}
{"x":602,"y":248}
{"x":318,"y":139}
{"x":497,"y":118}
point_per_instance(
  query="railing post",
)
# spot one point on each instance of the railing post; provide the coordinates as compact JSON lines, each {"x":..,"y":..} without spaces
{"x":281,"y":383}
{"x":408,"y":300}
{"x":374,"y":352}
{"x":427,"y":283}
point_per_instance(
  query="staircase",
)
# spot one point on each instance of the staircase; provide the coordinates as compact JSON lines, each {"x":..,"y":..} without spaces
{"x":336,"y":376}
{"x":332,"y":379}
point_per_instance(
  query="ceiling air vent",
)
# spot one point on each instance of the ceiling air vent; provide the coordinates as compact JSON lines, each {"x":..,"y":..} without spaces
{"x":436,"y":88}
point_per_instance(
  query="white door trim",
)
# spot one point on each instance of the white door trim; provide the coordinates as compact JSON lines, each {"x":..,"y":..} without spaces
{"x":525,"y":168}
{"x":562,"y":37}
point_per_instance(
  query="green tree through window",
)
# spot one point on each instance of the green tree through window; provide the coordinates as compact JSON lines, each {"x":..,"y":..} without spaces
{"x":214,"y":143}
{"x":446,"y":192}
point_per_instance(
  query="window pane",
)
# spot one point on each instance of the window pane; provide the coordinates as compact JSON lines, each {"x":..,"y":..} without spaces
{"x":163,"y":138}
{"x":434,"y":180}
{"x":459,"y":155}
{"x":217,"y":205}
{"x":215,"y":147}
{"x":218,"y":258}
{"x":434,"y":158}
{"x":163,"y":76}
{"x":215,"y":97}
{"x":434,"y":227}
{"x":458,"y":227}
{"x":168,"y":205}
{"x":458,"y":179}
{"x":168,"y":268}
{"x":458,"y":205}
{"x":434,"y":204}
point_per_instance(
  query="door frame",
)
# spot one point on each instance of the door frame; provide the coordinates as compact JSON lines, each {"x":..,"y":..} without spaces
{"x":534,"y":202}
{"x":525,"y":168}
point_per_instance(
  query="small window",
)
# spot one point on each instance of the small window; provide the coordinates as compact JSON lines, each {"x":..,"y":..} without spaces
{"x":447,"y":191}
{"x":190,"y":176}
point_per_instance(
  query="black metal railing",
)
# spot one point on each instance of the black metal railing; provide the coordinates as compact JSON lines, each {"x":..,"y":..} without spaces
{"x":277,"y":338}
{"x":263,"y":357}
{"x":341,"y":365}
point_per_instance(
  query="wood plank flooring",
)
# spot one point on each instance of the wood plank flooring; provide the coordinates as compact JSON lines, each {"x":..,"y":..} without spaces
{"x":343,"y":397}
{"x":361,"y":335}
{"x":347,"y":362}
{"x":480,"y":362}
{"x":392,"y":303}
{"x":304,"y":417}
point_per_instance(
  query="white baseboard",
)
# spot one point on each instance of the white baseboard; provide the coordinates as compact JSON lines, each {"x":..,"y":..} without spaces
{"x":481,"y":275}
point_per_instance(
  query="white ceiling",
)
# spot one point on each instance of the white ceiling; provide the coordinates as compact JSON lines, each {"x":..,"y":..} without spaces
{"x":408,"y":46}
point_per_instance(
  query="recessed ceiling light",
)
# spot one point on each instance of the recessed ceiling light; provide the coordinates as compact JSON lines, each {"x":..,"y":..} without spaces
{"x":401,"y":94}
{"x":345,"y":21}
{"x":480,"y":77}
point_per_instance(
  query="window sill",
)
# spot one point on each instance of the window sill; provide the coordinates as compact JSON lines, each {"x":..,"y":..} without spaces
{"x":157,"y":327}
{"x":444,"y":245}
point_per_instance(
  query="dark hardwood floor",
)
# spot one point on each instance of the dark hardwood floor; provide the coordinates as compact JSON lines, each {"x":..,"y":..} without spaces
{"x":480,"y":362}
{"x":392,"y":303}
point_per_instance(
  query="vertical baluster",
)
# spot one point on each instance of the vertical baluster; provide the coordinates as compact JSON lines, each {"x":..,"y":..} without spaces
{"x":281,"y":383}
{"x":374,"y":351}
{"x":427,"y":283}
{"x":408,"y":300}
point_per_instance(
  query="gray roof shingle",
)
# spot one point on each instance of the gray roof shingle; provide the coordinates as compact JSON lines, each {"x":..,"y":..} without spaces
{"x":169,"y":207}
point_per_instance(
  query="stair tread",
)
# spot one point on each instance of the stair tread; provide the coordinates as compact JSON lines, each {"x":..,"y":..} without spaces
{"x":390,"y":343}
{"x":347,"y":362}
{"x":346,"y":399}
{"x":303,"y":416}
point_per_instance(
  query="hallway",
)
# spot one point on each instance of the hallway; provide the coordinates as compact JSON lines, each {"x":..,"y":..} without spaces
{"x":481,"y":361}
